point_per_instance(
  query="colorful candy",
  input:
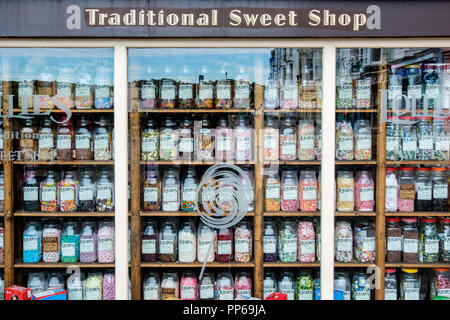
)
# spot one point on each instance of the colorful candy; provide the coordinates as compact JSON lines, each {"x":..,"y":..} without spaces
{"x":306,"y":241}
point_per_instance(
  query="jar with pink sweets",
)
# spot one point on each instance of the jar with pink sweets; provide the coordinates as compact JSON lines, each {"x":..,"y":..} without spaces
{"x":188,"y":286}
{"x":306,"y":241}
{"x":242,"y":285}
{"x":308,"y":191}
{"x":288,"y":140}
{"x":364,"y":191}
{"x":289,"y":192}
{"x":305,"y":133}
{"x":224,"y":286}
{"x":318,"y":140}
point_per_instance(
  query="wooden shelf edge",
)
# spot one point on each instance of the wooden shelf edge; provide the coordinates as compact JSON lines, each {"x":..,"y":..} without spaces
{"x":67,"y":163}
{"x":279,"y":264}
{"x":194,"y":162}
{"x":197,"y":111}
{"x":418,"y":214}
{"x":63,"y":265}
{"x":177,"y":214}
{"x":417,"y":162}
{"x":417,"y":265}
{"x":355,"y":214}
{"x":71,"y":110}
{"x":44,"y":214}
{"x":353,"y":264}
{"x":293,"y":111}
{"x":196,"y":265}
{"x":291,"y":214}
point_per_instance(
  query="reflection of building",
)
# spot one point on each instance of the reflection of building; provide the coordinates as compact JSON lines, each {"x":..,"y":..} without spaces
{"x":294,"y":63}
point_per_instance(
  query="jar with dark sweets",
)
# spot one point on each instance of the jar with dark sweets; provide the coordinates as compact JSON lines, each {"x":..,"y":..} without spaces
{"x":186,"y":96}
{"x":224,"y":93}
{"x":150,"y":239}
{"x":414,"y":84}
{"x":270,"y":241}
{"x":410,"y":284}
{"x":64,"y":141}
{"x":186,"y":144}
{"x":440,"y":189}
{"x":393,"y":240}
{"x":30,"y":191}
{"x":167,"y":94}
{"x":444,"y":239}
{"x":423,"y":190}
{"x":410,"y":236}
{"x":429,"y":241}
{"x":148,"y":93}
{"x":390,"y":284}
{"x":86,"y":191}
{"x":152,"y":190}
{"x":83,"y":139}
{"x":242,"y":93}
{"x":425,"y":137}
{"x":168,"y":242}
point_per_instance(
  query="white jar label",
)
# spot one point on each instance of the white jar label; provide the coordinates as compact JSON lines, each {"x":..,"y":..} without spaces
{"x":447,"y":243}
{"x":166,"y":247}
{"x":30,"y":243}
{"x":364,"y":142}
{"x":440,"y":191}
{"x":344,"y":244}
{"x":394,"y":243}
{"x":410,"y":246}
{"x":86,"y":193}
{"x":185,"y":91}
{"x":270,"y":141}
{"x":87,"y":245}
{"x":431,"y":246}
{"x":149,"y":144}
{"x":369,"y":244}
{"x":223,"y":143}
{"x":148,"y":246}
{"x":307,"y":246}
{"x":48,"y":194}
{"x":223,"y":91}
{"x":289,"y":246}
{"x":288,"y":147}
{"x":64,"y":141}
{"x":187,"y":292}
{"x":206,"y":291}
{"x":83,"y":141}
{"x":151,"y":292}
{"x":102,"y":91}
{"x":45,"y":141}
{"x":242,"y":245}
{"x":101,"y":142}
{"x":167,"y":92}
{"x":309,"y":193}
{"x":68,"y":249}
{"x":363,"y":91}
{"x":306,"y":142}
{"x":394,"y":92}
{"x":414,"y":91}
{"x":290,"y":192}
{"x":432,"y":90}
{"x":25,"y":89}
{"x":30,"y":193}
{"x":305,"y":295}
{"x":170,"y":194}
{"x":93,"y":294}
{"x":426,"y":143}
{"x":242,"y":143}
{"x":346,"y":194}
{"x":269,"y":244}
{"x":150,"y":194}
{"x":289,"y":293}
{"x":67,"y":193}
{"x":186,"y":145}
{"x":272,"y":191}
{"x":345,"y":91}
{"x":224,"y":247}
{"x":188,"y":193}
{"x":104,"y":192}
{"x":242,"y":91}
{"x":392,"y":143}
{"x":82,"y":90}
{"x":105,"y":244}
{"x":390,"y":294}
{"x":270,"y":92}
{"x":148,"y":91}
{"x":225,"y":294}
{"x":345,"y":143}
{"x":366,"y":193}
{"x":442,"y":143}
{"x":290,"y":92}
{"x":362,"y":295}
{"x":412,"y":294}
{"x":423,"y":192}
{"x":205,"y":91}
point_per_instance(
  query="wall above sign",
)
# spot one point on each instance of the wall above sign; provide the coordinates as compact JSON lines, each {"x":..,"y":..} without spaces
{"x":226,"y":18}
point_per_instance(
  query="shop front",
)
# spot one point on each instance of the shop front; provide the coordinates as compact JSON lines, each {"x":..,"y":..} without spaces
{"x":156,"y":150}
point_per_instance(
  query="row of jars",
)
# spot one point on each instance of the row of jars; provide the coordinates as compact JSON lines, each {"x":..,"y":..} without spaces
{"x":289,"y":139}
{"x":169,"y":194}
{"x":94,"y":285}
{"x":187,"y":286}
{"x":184,"y":242}
{"x":175,"y":139}
{"x":291,"y":240}
{"x":354,"y":92}
{"x":355,"y":193}
{"x":68,"y":190}
{"x":413,"y":240}
{"x":86,"y":92}
{"x":417,"y":138}
{"x":89,"y":139}
{"x":412,"y":284}
{"x":411,"y":189}
{"x":355,"y":240}
{"x":68,"y":241}
{"x":353,"y":139}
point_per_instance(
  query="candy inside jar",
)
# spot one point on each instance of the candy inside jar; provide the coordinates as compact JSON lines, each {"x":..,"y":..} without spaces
{"x":289,"y":191}
{"x":364,"y":191}
{"x":308,"y":191}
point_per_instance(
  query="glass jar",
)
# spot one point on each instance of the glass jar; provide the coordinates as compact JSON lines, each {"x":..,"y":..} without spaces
{"x":289,"y":94}
{"x":205,"y":143}
{"x":395,"y":89}
{"x":409,"y":284}
{"x":393,"y":240}
{"x":408,"y":134}
{"x":51,"y":238}
{"x":288,"y":140}
{"x":440,"y":189}
{"x":413,"y":75}
{"x":186,"y":94}
{"x":390,"y":284}
{"x":425,"y":136}
{"x":150,"y":140}
{"x":305,"y":134}
{"x":344,"y":139}
{"x":272,"y":192}
{"x":167,"y":94}
{"x":189,"y":190}
{"x":149,"y":241}
{"x":286,"y":284}
{"x":86,"y":189}
{"x":65,"y":141}
{"x":168,"y":242}
{"x":102,"y":139}
{"x":423,"y":190}
{"x":103,"y":89}
{"x":431,"y":86}
{"x":308,"y":94}
{"x":363,"y":140}
{"x":205,"y":94}
{"x":224,"y":286}
{"x":168,"y":140}
{"x":364,"y":191}
{"x":391,"y":190}
{"x":106,"y":241}
{"x":444,"y":239}
{"x":151,"y":190}
{"x":308,"y":188}
{"x":148,"y":93}
{"x":318,"y":140}
{"x":441,"y":139}
{"x":363,"y":93}
{"x":186,"y":146}
{"x":271,"y":92}
{"x":225,"y":245}
{"x":343,"y":241}
{"x":224,"y":90}
{"x":305,"y":285}
{"x":410,"y":237}
{"x":247,"y":182}
{"x":243,"y":242}
{"x":46,"y":144}
{"x":342,"y":283}
{"x":269,"y":284}
{"x":83,"y":139}
{"x":364,"y":234}
{"x":206,"y":290}
{"x":188,"y":286}
{"x":32,"y":241}
{"x":30,"y":191}
{"x":187,"y":242}
{"x":287,"y":241}
{"x":88,"y":242}
{"x":270,"y":241}
{"x":271,"y":138}
{"x":345,"y":191}
{"x":93,"y":286}
{"x":344,"y":95}
{"x":306,"y":241}
{"x":440,"y":285}
{"x":406,"y":191}
{"x":55,"y":281}
{"x":224,"y":140}
{"x":171,"y":190}
{"x":289,"y":190}
{"x":28,"y":143}
{"x":36,"y":282}
{"x":104,"y":192}
{"x":75,"y":287}
{"x":68,"y":192}
{"x":46,"y":86}
{"x":243,"y":285}
{"x":243,"y":136}
{"x":84,"y":92}
{"x":393,"y":134}
{"x":361,"y":287}
{"x":429,"y":241}
{"x":152,"y":286}
{"x":241,"y":92}
{"x":70,"y":242}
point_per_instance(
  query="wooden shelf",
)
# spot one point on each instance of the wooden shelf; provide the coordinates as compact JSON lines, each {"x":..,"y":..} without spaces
{"x":293,"y":162}
{"x":356,"y":110}
{"x":353,"y":264}
{"x":44,"y":214}
{"x":193,"y":162}
{"x":417,"y":162}
{"x":293,"y":111}
{"x":21,"y":264}
{"x":353,"y":162}
{"x":196,"y":265}
{"x":31,"y":111}
{"x":417,"y":265}
{"x":198,"y":111}
{"x":68,"y":163}
{"x":291,"y":214}
{"x":279,"y":264}
{"x":418,"y":214}
{"x":355,"y":214}
{"x":177,"y":214}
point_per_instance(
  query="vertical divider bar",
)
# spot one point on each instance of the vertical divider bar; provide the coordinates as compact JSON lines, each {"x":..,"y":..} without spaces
{"x":259,"y":172}
{"x":381,"y":187}
{"x":121,"y":170}
{"x":328,"y":169}
{"x":135,"y":186}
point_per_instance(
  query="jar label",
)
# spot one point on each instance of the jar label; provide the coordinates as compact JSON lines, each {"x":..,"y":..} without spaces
{"x":305,"y":294}
{"x":148,"y":246}
{"x":30,"y":243}
{"x":394,"y":244}
{"x":45,"y":141}
{"x":412,"y":293}
{"x":86,"y":193}
{"x":414,"y":91}
{"x":288,"y":147}
{"x":148,"y":91}
{"x":150,"y":194}
{"x":363,"y":91}
{"x":75,"y":293}
{"x":307,"y":246}
{"x":68,"y":249}
{"x":102,"y":91}
{"x":187,"y":292}
{"x":390,"y":294}
{"x":270,"y":92}
{"x":151,"y":292}
{"x":290,"y":92}
{"x":394,"y":92}
{"x":170,"y":194}
{"x":443,"y":292}
{"x":206,"y":291}
{"x":369,"y":244}
{"x":345,"y":91}
{"x":309,"y":193}
{"x":423,"y":191}
{"x":244,"y":293}
{"x":167,"y":139}
{"x":30,"y":193}
{"x":270,"y":141}
{"x":426,"y":143}
{"x":186,"y":248}
{"x":364,"y":142}
{"x":432,"y":90}
{"x":82,"y":90}
{"x":64,"y":141}
{"x":87,"y":245}
{"x":104,"y":192}
{"x":431,"y":246}
{"x":242,"y":143}
{"x":269,"y":244}
{"x":289,"y":293}
{"x":101,"y":141}
{"x":345,"y":194}
{"x":344,"y":244}
{"x":362,"y":295}
{"x":409,"y":144}
{"x":166,"y":247}
{"x":440,"y":191}
{"x":224,"y":247}
{"x":289,"y":246}
{"x":185,"y":91}
{"x":188,"y":193}
{"x":223,"y":143}
{"x":290,"y":192}
{"x":225,"y":294}
{"x":392,"y":143}
{"x":267,"y":292}
{"x":272,"y":191}
{"x":345,"y":143}
{"x":48,"y":194}
{"x":67,"y":193}
{"x":186,"y":145}
{"x":442,"y":144}
{"x":168,"y":92}
{"x":149,"y":144}
{"x":25,"y":89}
{"x":242,"y":91}
{"x":410,"y":245}
{"x":223,"y":91}
{"x":93,"y":294}
{"x":366,"y":193}
{"x":83,"y":141}
{"x":447,"y":243}
{"x":205,"y":91}
{"x":242,"y":245}
{"x":51,"y":244}
{"x":306,"y":142}
{"x":105,"y":244}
